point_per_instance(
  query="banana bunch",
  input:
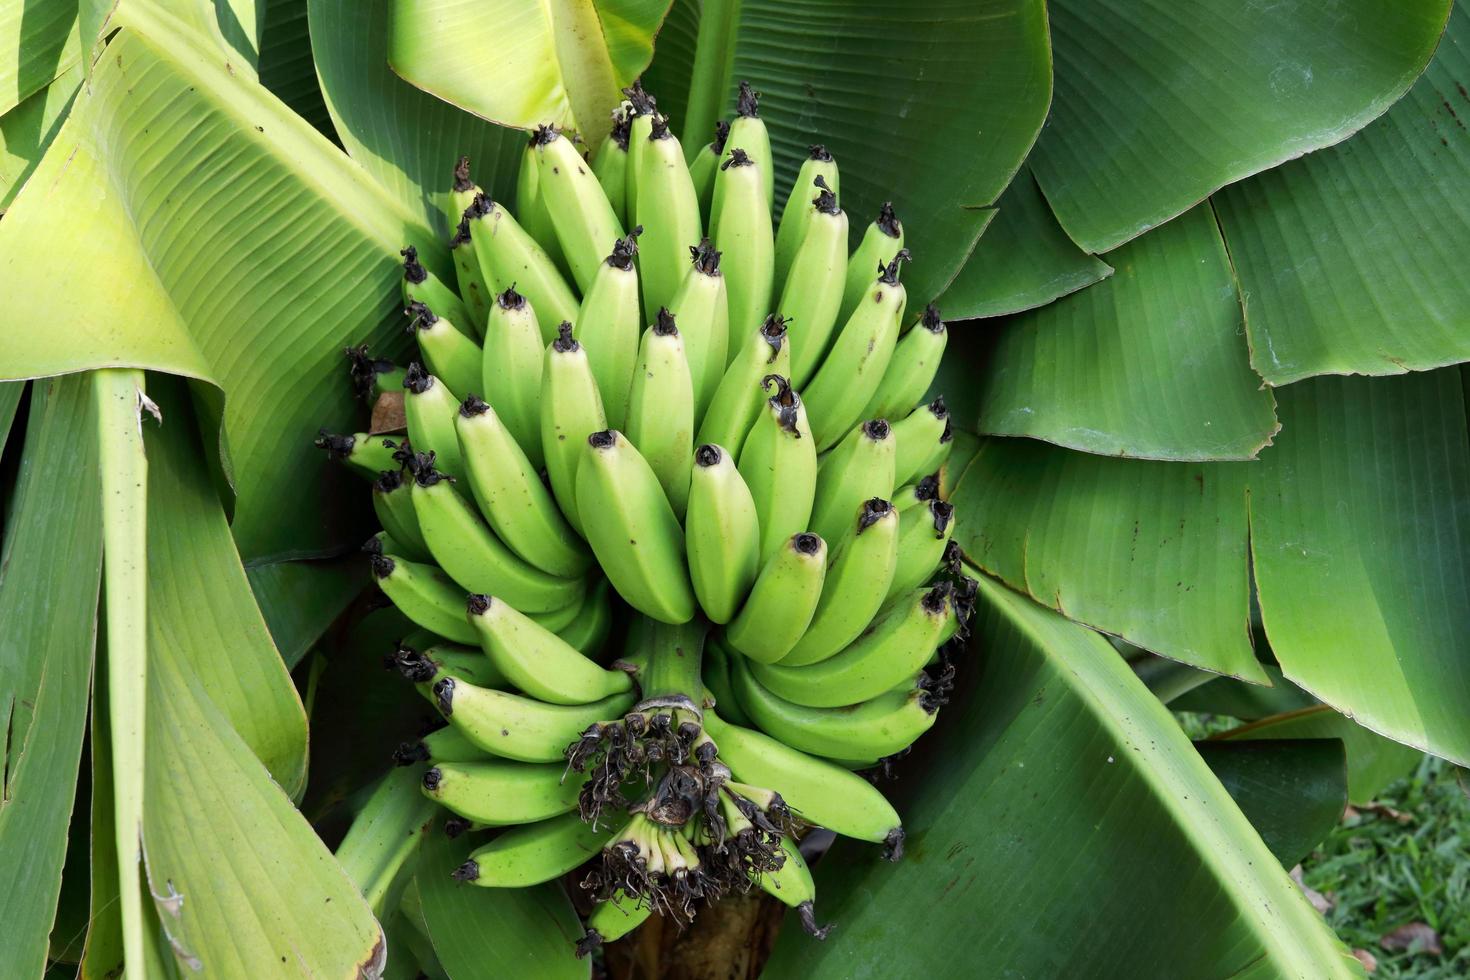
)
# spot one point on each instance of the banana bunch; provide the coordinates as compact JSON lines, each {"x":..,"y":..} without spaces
{"x":647,"y":410}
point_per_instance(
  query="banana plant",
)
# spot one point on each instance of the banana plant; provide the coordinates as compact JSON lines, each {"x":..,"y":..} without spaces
{"x":1195,"y":271}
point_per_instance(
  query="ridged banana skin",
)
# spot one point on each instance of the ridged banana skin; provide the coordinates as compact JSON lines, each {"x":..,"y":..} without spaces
{"x":464,"y":663}
{"x":429,"y":408}
{"x":537,"y":661}
{"x":741,"y":229}
{"x":425,"y":595}
{"x":668,"y":210}
{"x":880,"y":245}
{"x":559,"y":619}
{"x":702,"y":170}
{"x":476,"y":293}
{"x":580,"y":212}
{"x":571,"y":410}
{"x":924,"y":532}
{"x":853,"y":369}
{"x":509,"y":255}
{"x":661,"y":410}
{"x":499,"y":792}
{"x":920,"y":438}
{"x":912,"y":368}
{"x":856,"y":586}
{"x":422,"y":286}
{"x":452,"y":357}
{"x":819,"y":791}
{"x":748,"y":134}
{"x":610,"y":165}
{"x":782,"y":602}
{"x":471,"y":554}
{"x":618,"y":916}
{"x":449,"y":745}
{"x":897,"y":647}
{"x":538,"y":852}
{"x":532,"y":208}
{"x":510,"y":370}
{"x":859,"y":468}
{"x":798,"y":210}
{"x":812,"y":295}
{"x":639,"y":128}
{"x":721,"y":535}
{"x":779,"y":465}
{"x":632,"y":529}
{"x":738,"y":399}
{"x":701,"y":308}
{"x":512,"y":497}
{"x":716,"y":674}
{"x":608,"y":327}
{"x":588,"y":631}
{"x":393,"y":503}
{"x":514,"y":727}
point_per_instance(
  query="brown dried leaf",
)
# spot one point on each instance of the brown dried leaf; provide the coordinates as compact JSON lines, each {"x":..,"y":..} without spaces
{"x":1415,"y":937}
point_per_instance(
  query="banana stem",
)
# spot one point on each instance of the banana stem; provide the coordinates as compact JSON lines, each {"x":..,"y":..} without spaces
{"x":674,"y":654}
{"x":710,"y":81}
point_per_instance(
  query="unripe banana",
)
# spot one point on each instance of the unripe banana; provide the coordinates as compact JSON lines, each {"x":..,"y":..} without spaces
{"x":792,"y":883}
{"x":632,"y":529}
{"x":451,"y":355}
{"x":476,"y":293}
{"x":856,"y":586}
{"x":661,"y":409}
{"x":609,"y":324}
{"x":668,"y":210}
{"x":425,"y":595}
{"x":716,"y":674}
{"x":536,"y":853}
{"x":798,"y":209}
{"x":880,"y":246}
{"x":741,"y":392}
{"x":812,"y":294}
{"x":748,"y":134}
{"x":611,"y":164}
{"x":704,"y":167}
{"x":741,"y":229}
{"x":372,"y":377}
{"x":537,"y":661}
{"x":430,"y":408}
{"x":368,"y":455}
{"x":897,"y":646}
{"x":782,"y":602}
{"x":860,"y":468}
{"x":443,"y":745}
{"x":512,"y":497}
{"x":923,"y":535}
{"x":510,"y":369}
{"x":531,"y":206}
{"x":612,"y":920}
{"x":426,"y":667}
{"x":571,"y":410}
{"x":393,"y":503}
{"x":921,"y":437}
{"x":588,"y":632}
{"x":701,"y":307}
{"x":916,"y":494}
{"x":580,"y":212}
{"x":641,"y":109}
{"x":499,"y":792}
{"x":421,"y":285}
{"x":912,"y":369}
{"x":853,"y":369}
{"x":779,"y":465}
{"x":509,"y":256}
{"x":471,"y":554}
{"x":514,"y":727}
{"x":722,"y":534}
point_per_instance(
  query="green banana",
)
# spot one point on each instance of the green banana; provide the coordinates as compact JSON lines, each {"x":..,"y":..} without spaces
{"x":717,"y":687}
{"x":588,"y":632}
{"x":430,"y":408}
{"x":701,"y":307}
{"x":512,"y":497}
{"x":610,"y":164}
{"x":779,"y":465}
{"x":425,"y":595}
{"x":819,"y":791}
{"x":436,"y":661}
{"x":853,"y":369}
{"x":798,"y":210}
{"x":451,"y":355}
{"x":668,"y":210}
{"x":721,"y":534}
{"x":741,"y":229}
{"x":514,"y":727}
{"x":856,"y":586}
{"x":510,"y":371}
{"x":632,"y":529}
{"x":782,"y":601}
{"x":579,"y":210}
{"x":571,"y":410}
{"x":913,"y":366}
{"x":372,"y":377}
{"x":476,"y":293}
{"x":534,"y":853}
{"x":860,"y":468}
{"x":367,"y":454}
{"x":737,"y":401}
{"x":537,"y":661}
{"x":661,"y":409}
{"x":421,"y":285}
{"x":706,"y":164}
{"x":881,"y":244}
{"x":557,"y":620}
{"x":792,"y":883}
{"x":812,"y":295}
{"x":924,"y":533}
{"x":500,"y":792}
{"x":609,"y":324}
{"x":748,"y":134}
{"x":393,"y":503}
{"x":531,"y":206}
{"x":471,"y":554}
{"x":873,"y":729}
{"x":443,"y":745}
{"x":641,"y":110}
{"x":914,"y":494}
{"x":612,"y":920}
{"x":922,"y":439}
{"x":897,"y":646}
{"x":508,"y":255}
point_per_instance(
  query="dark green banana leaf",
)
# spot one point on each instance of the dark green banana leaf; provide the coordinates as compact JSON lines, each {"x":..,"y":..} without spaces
{"x":1292,"y":791}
